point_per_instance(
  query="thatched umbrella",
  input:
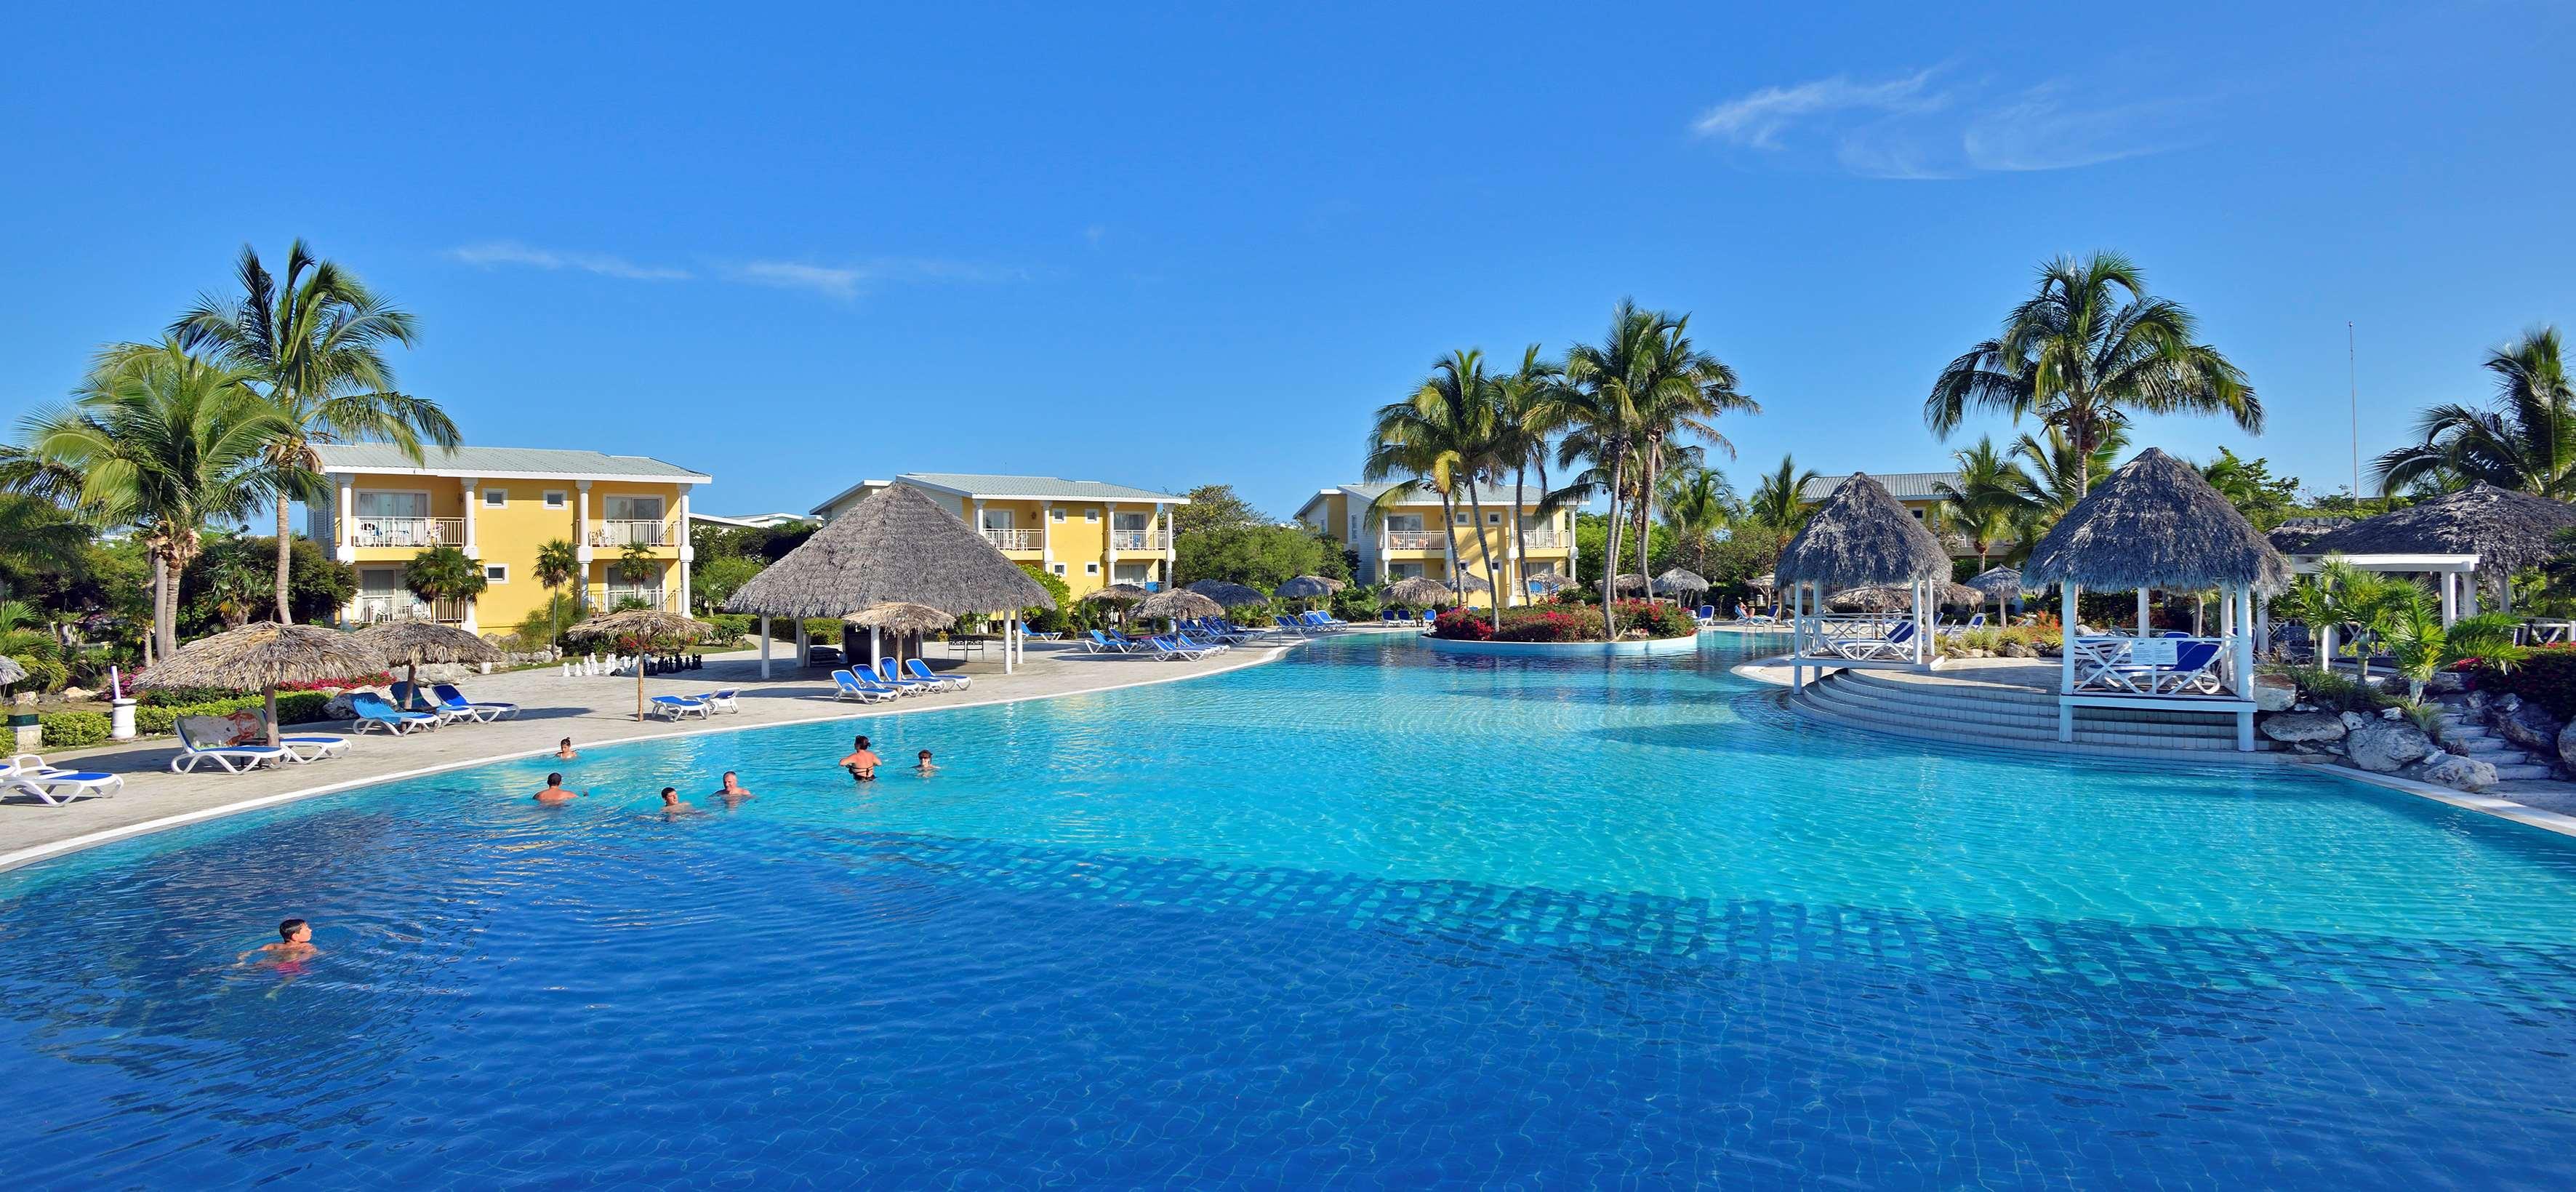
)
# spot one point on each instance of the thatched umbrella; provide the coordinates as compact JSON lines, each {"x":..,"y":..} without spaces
{"x":1176,"y":603}
{"x":1859,"y":538}
{"x":1765,"y":582}
{"x":2157,"y":524}
{"x":900,"y":544}
{"x":1884,"y":598}
{"x":1228,"y":594}
{"x":1308,"y":587}
{"x":649,"y":627}
{"x":1999,"y":584}
{"x":1631,"y":582}
{"x":1468,"y":581}
{"x":1420,"y":591}
{"x":1677,"y":581}
{"x":10,"y":671}
{"x":2508,"y":531}
{"x":903,"y":618}
{"x":409,"y":643}
{"x":262,"y":655}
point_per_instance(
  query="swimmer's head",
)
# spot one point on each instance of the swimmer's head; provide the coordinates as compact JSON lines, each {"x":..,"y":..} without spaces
{"x":729,"y":779}
{"x":567,"y":743}
{"x":925,"y":755}
{"x":293,"y":928}
{"x":861,"y":742}
{"x":554,"y":780}
{"x":670,"y":795}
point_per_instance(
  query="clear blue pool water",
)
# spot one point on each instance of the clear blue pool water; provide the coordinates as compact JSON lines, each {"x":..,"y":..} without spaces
{"x":1365,"y":917}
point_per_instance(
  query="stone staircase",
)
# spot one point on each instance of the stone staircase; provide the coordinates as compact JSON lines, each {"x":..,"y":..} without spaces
{"x":2472,"y":740}
{"x":1998,"y":715}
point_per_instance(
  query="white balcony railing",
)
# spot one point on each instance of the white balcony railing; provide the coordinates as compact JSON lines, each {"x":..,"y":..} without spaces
{"x":407,"y":531}
{"x":1416,"y":540}
{"x":613,"y":595}
{"x":403,"y":606}
{"x":1010,"y":539}
{"x":1139,"y":539}
{"x":631,"y":533}
{"x":1543,"y":539}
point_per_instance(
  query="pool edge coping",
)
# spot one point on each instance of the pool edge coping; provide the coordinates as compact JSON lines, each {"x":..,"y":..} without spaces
{"x":33,"y":854}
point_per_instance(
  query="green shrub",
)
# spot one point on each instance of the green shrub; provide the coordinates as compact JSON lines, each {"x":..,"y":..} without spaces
{"x":185,"y":697}
{"x":293,"y":707}
{"x":1356,"y":603}
{"x":2546,"y":676}
{"x":824,"y":630}
{"x":732,"y":625}
{"x":71,"y":730}
{"x":2336,"y":691}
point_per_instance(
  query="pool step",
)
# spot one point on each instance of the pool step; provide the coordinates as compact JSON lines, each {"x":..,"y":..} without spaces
{"x":2512,"y":762}
{"x":2008,"y":717}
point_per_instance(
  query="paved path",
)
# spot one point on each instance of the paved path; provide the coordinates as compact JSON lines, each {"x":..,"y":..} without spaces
{"x":592,"y":711}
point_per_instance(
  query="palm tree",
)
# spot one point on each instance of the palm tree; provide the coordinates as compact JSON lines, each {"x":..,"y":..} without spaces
{"x":2411,"y":630}
{"x":1441,"y":438}
{"x":1986,"y":500}
{"x":1698,"y":502}
{"x":1779,"y":501}
{"x":2525,"y":442}
{"x":636,"y":564}
{"x":2053,"y":476}
{"x":168,"y":443}
{"x":558,"y":563}
{"x":1531,"y":407}
{"x":2084,"y":352}
{"x":316,"y":345}
{"x":443,"y":573}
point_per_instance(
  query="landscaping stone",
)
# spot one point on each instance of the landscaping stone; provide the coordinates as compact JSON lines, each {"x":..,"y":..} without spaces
{"x":2526,"y":724}
{"x":2454,"y":771}
{"x":2391,"y":714}
{"x":2385,"y":748}
{"x":340,"y":708}
{"x":2272,"y":693}
{"x":2294,"y":727}
{"x":2353,"y":720}
{"x":2567,"y":745}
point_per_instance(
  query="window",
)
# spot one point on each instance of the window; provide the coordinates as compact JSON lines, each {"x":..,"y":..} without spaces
{"x":382,"y":504}
{"x":498,"y":573}
{"x":1459,"y":518}
{"x":1403,"y":570}
{"x":495,"y":498}
{"x":1355,"y":527}
{"x":1091,"y":569}
{"x":1059,"y":568}
{"x":1493,"y":519}
{"x":997,"y":519}
{"x":1091,"y":515}
{"x":557,"y":499}
{"x":634,"y":508}
{"x":1918,"y":514}
{"x":1058,"y":515}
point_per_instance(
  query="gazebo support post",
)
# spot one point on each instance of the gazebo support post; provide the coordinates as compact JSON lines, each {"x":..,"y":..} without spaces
{"x":2245,"y":672}
{"x":1009,"y":626}
{"x":2262,"y":624}
{"x":2066,"y":659}
{"x":876,"y":646}
{"x":1797,"y":635}
{"x":804,"y":650}
{"x":764,"y":645}
{"x":2142,"y":612}
{"x":2450,"y":598}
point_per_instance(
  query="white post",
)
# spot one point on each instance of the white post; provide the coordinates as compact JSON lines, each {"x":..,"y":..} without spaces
{"x":804,"y":648}
{"x":2504,"y":593}
{"x":2450,"y":598}
{"x":2228,"y":627}
{"x":473,"y":547}
{"x":764,"y":645}
{"x":1797,"y":635}
{"x":1009,"y":628}
{"x":581,"y":550}
{"x":688,"y":553}
{"x":2142,"y":612}
{"x":1046,"y":537}
{"x":1163,"y":526}
{"x":1109,"y":542}
{"x":2469,"y":594}
{"x":876,"y":646}
{"x":340,"y":528}
{"x":2262,"y":622}
{"x":2066,"y":659}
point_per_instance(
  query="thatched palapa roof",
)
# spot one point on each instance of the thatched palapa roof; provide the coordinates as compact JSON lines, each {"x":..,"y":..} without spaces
{"x":1228,"y":594}
{"x":1882,"y":598}
{"x":2293,"y":535}
{"x":899,"y":617}
{"x":2508,"y":531}
{"x":1630,"y":581}
{"x":645,"y":624}
{"x":1308,"y":587}
{"x":1469,"y":581}
{"x":1764,"y":582}
{"x":1115,"y":594}
{"x":10,"y":671}
{"x":1998,"y":583}
{"x":1679,"y":580}
{"x":900,"y":544}
{"x":1178,"y":603}
{"x":2155,"y":523}
{"x":411,"y":643}
{"x":265,"y":654}
{"x":1860,"y":537}
{"x":1420,"y":591}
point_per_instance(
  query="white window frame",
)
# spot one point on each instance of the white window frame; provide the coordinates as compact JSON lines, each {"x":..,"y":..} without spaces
{"x":1493,"y":518}
{"x":489,"y":570}
{"x":1059,"y":569}
{"x":1091,"y":569}
{"x":496,"y":498}
{"x":1091,"y":515}
{"x":1056,"y":514}
{"x":428,"y":504}
{"x":558,"y":499}
{"x":1459,"y":518}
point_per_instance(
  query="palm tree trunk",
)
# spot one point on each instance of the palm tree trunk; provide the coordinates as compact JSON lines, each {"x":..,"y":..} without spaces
{"x":1610,"y":557}
{"x":285,"y":561}
{"x":1520,"y":543}
{"x":1485,"y":546}
{"x":157,"y":642}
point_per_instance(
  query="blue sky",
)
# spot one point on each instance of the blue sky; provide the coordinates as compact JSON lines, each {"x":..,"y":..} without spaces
{"x":1180,"y":245}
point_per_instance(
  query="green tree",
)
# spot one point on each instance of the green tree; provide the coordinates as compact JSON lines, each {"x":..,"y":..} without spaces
{"x":1051,"y":620}
{"x":1531,"y":407}
{"x":1439,"y":438}
{"x":315,"y":343}
{"x":1697,"y":504}
{"x":712,"y":581}
{"x":2087,"y":350}
{"x":636,"y":564}
{"x":2411,"y":631}
{"x":1214,"y":507}
{"x":558,"y":563}
{"x":169,"y":444}
{"x":443,"y":573}
{"x":2054,"y":476}
{"x":1261,"y":557}
{"x":2249,"y":485}
{"x":228,"y":584}
{"x":1985,"y":501}
{"x":2526,"y":441}
{"x":1778,"y":505}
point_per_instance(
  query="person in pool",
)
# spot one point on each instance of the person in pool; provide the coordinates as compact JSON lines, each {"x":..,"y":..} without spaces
{"x":294,"y":942}
{"x":862,"y":762}
{"x":923,"y":766}
{"x":565,"y":751}
{"x":555,"y":792}
{"x":731,"y":791}
{"x":671,"y":804}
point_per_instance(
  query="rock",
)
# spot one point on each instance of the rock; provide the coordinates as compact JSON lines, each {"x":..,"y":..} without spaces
{"x":2454,"y":771}
{"x":2273,"y":693}
{"x":2446,"y":683}
{"x":2391,"y":714}
{"x":2478,"y":703}
{"x":2353,"y":720}
{"x":73,"y":695}
{"x":2507,"y":702}
{"x":2384,"y":748}
{"x":2567,"y":745}
{"x":340,"y":708}
{"x":2303,"y":706}
{"x":2295,"y":727}
{"x":2527,"y":724}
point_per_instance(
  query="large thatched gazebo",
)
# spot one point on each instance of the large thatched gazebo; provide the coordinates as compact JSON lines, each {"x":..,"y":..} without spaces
{"x":260,"y":656}
{"x":2156,"y":524}
{"x":2488,"y":531}
{"x":899,"y":545}
{"x":1860,"y":538}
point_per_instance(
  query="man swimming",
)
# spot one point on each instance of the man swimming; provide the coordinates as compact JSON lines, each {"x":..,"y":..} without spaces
{"x":565,"y":750}
{"x":555,"y":792}
{"x":862,"y":762}
{"x":294,"y":942}
{"x":731,"y":792}
{"x":923,"y":765}
{"x":671,"y":804}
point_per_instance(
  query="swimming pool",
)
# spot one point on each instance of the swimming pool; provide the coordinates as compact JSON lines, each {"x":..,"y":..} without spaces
{"x":1367,"y":916}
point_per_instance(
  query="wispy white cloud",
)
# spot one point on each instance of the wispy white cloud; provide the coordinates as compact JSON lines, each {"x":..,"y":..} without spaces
{"x":1929,"y":124}
{"x":795,"y":275}
{"x":497,"y":253}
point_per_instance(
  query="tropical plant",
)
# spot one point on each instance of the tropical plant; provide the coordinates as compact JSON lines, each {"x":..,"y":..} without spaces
{"x":2084,"y":352}
{"x":169,"y":444}
{"x":231,"y":582}
{"x":1697,"y":503}
{"x":2053,"y":476}
{"x":2410,"y":629}
{"x":443,"y":573}
{"x":1531,"y":407}
{"x":1440,"y":438}
{"x":636,"y":564}
{"x":1778,"y":503}
{"x":713,"y":581}
{"x":558,"y":563}
{"x":1986,"y":500}
{"x":2526,"y":441}
{"x":2248,"y":484}
{"x":314,"y":342}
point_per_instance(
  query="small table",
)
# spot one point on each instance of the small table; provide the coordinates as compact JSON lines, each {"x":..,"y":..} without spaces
{"x":962,"y":644}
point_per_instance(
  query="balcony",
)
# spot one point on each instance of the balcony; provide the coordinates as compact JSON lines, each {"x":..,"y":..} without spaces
{"x":403,"y":606}
{"x":612,"y":596}
{"x":1543,"y":540}
{"x":1417,"y":540}
{"x":1010,"y":539}
{"x":1139,"y":539}
{"x":631,"y":533}
{"x":406,"y":532}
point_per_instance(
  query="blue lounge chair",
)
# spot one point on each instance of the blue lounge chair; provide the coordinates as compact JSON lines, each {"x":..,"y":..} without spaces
{"x":673,"y":707}
{"x":1165,"y":649}
{"x":887,"y":673}
{"x":921,"y":670}
{"x":849,"y":686}
{"x":1708,"y":614}
{"x":53,"y":785}
{"x":1890,"y":644}
{"x":412,"y":699}
{"x":374,"y":712}
{"x":449,"y":697}
{"x":722,"y":699}
{"x":1298,"y":627}
{"x":1035,"y":635}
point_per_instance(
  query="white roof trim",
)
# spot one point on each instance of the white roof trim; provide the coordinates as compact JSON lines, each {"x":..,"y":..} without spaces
{"x":481,"y":474}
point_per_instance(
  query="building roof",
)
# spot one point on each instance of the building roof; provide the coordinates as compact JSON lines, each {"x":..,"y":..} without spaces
{"x":504,"y":463}
{"x":1490,"y":494}
{"x":1904,"y":486}
{"x":993,"y":487}
{"x":756,"y":521}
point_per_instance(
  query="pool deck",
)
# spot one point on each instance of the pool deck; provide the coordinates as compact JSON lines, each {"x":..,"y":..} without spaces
{"x":593,"y":711}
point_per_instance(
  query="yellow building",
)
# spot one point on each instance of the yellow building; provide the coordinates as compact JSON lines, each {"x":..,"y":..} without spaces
{"x":1410,"y":540}
{"x":499,"y":505}
{"x":1084,"y":532}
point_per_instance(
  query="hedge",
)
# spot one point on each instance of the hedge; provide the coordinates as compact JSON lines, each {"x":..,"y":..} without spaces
{"x":71,"y":730}
{"x":293,"y":707}
{"x":2547,"y":677}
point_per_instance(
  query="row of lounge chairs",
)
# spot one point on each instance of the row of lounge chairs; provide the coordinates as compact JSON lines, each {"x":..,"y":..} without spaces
{"x":703,"y":706}
{"x":888,"y":682}
{"x":1309,"y":624}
